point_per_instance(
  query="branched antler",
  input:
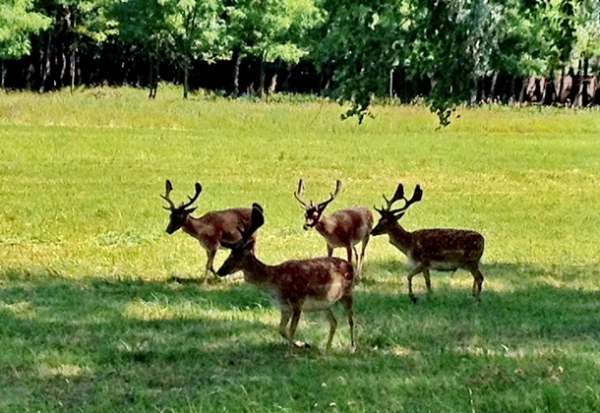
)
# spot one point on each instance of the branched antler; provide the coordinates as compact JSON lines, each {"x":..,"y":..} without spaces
{"x":298,"y":194}
{"x":167,"y":197}
{"x":338,"y":186}
{"x":398,"y":195}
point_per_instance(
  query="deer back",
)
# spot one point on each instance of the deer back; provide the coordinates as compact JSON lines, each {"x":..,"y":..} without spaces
{"x":346,"y":226}
{"x":311,"y":284}
{"x":217,"y":227}
{"x":449,"y":247}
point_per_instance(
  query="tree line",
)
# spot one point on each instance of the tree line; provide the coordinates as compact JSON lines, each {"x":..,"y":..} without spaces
{"x":446,"y":52}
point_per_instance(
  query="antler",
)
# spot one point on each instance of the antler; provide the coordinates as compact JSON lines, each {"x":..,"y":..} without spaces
{"x":168,"y":189}
{"x":398,"y":195}
{"x":298,"y":193}
{"x":338,"y":186}
{"x":192,"y":199}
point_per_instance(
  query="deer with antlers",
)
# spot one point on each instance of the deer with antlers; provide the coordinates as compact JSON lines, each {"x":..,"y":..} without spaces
{"x":344,"y":228}
{"x":297,"y":285}
{"x":213,"y":230}
{"x":443,"y":249}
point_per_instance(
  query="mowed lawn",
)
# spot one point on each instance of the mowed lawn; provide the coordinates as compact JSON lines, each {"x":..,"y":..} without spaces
{"x":101,"y":311}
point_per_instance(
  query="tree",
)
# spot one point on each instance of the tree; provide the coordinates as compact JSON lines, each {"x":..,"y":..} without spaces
{"x":179,"y":30}
{"x":193,"y":30}
{"x":451,"y":42}
{"x":17,"y":22}
{"x":142,"y":24}
{"x":267,"y":30}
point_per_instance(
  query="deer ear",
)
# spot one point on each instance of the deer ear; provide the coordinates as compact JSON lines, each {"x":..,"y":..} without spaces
{"x":190,"y":210}
{"x":257,"y":219}
{"x":256,"y":206}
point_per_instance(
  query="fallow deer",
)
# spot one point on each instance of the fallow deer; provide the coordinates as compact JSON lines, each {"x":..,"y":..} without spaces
{"x":443,"y":249}
{"x":212,"y":229}
{"x":343,"y":229}
{"x":311,"y":284}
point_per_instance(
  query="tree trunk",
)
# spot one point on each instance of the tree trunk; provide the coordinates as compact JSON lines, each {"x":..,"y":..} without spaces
{"x":186,"y":75}
{"x":561,"y":85}
{"x":73,"y":67}
{"x":474,"y":92}
{"x":492,"y":94}
{"x":585,"y":98}
{"x":73,"y":60}
{"x":2,"y":74}
{"x":236,"y":58}
{"x":261,"y":82}
{"x":45,"y":65}
{"x":153,"y":77}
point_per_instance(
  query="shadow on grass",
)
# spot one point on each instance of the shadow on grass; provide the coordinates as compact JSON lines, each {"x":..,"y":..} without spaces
{"x":136,"y":345}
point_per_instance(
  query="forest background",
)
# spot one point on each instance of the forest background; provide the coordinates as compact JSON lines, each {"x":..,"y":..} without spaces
{"x":445,"y":52}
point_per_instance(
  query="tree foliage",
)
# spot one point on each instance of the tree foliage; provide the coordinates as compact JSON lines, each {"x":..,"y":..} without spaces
{"x":17,"y":23}
{"x":449,"y":44}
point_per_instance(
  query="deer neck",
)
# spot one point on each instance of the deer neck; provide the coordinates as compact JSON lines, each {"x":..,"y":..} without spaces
{"x":256,"y":272}
{"x":400,"y":238}
{"x":192,"y":227}
{"x":325,"y":226}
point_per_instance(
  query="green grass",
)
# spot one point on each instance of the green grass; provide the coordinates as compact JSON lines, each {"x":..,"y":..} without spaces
{"x":91,"y":319}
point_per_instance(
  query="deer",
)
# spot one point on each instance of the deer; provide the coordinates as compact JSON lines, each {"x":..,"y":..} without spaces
{"x":213,"y":230}
{"x":314,"y":284}
{"x":443,"y":249}
{"x":344,"y":228}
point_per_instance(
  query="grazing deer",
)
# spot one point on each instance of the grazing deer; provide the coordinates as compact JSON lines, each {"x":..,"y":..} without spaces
{"x":344,"y":228}
{"x":212,"y":229}
{"x":441,"y":249}
{"x":296,"y":285}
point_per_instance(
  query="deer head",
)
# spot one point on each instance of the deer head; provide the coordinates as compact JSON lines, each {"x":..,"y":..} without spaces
{"x":179,"y":213}
{"x":243,"y":247}
{"x":314,"y":211}
{"x":388,"y":216}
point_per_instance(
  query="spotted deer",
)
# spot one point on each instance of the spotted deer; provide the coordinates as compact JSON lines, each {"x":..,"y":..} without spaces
{"x":442,"y":249}
{"x":342,"y":229}
{"x":212,"y":230}
{"x":297,"y":285}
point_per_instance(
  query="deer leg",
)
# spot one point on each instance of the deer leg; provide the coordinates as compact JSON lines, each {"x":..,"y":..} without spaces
{"x":346,"y":302}
{"x":332,"y":326}
{"x":285,"y":319}
{"x":210,"y":258}
{"x":356,"y":262}
{"x":414,"y":271}
{"x":362,"y":253}
{"x":349,"y":253}
{"x":293,"y":326}
{"x":477,"y":283}
{"x":329,"y":250}
{"x":427,"y":280}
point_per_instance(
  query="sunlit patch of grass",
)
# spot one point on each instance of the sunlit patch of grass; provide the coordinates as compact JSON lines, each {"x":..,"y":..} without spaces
{"x":100,"y":309}
{"x":63,"y":370}
{"x":21,"y":309}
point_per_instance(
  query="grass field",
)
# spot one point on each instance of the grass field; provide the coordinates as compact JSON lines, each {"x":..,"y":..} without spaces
{"x":91,"y":318}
